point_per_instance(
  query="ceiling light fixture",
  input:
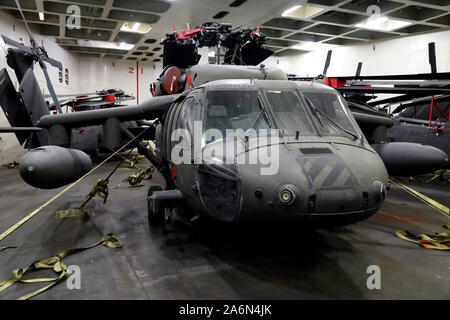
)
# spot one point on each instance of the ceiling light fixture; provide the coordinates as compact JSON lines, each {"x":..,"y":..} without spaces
{"x":382,"y":23}
{"x":312,"y":46}
{"x":41,"y":16}
{"x":105,"y":45}
{"x":136,"y":27}
{"x":288,"y":11}
{"x":301,"y":12}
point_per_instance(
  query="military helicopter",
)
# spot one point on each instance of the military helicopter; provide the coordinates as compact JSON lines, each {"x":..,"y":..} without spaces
{"x":424,"y":121}
{"x":240,"y":144}
{"x":425,"y":142}
{"x":24,"y":108}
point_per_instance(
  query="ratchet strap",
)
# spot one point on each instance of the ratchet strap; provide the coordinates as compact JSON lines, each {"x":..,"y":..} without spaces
{"x":56,"y":264}
{"x":135,"y":180}
{"x":32,"y":214}
{"x":438,"y":241}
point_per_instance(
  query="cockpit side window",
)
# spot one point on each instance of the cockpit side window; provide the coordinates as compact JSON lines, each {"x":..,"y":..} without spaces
{"x":333,"y":106}
{"x":231,"y":109}
{"x":187,"y":115}
{"x":184,"y":118}
{"x":289,"y":113}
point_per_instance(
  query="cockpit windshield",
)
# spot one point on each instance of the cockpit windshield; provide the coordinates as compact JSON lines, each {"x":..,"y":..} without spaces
{"x":289,"y":113}
{"x":232,"y":109}
{"x":245,"y":110}
{"x":335,"y":119}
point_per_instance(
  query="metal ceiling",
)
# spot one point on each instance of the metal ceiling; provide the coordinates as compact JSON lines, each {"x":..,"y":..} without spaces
{"x":102,"y":19}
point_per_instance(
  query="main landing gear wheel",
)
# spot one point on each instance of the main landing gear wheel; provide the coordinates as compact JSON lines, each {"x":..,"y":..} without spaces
{"x":155,"y":217}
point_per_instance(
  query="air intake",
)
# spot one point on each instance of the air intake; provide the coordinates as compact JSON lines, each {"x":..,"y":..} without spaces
{"x":237,"y":3}
{"x":310,"y":151}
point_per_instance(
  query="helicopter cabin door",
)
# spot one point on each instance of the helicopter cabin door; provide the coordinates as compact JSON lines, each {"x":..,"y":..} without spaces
{"x":182,"y":143}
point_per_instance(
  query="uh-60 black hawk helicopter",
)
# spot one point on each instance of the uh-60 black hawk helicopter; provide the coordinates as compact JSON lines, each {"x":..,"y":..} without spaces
{"x":24,"y":108}
{"x":321,"y":170}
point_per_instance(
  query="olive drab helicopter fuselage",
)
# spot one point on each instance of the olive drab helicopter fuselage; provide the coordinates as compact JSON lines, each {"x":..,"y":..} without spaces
{"x":325,"y":176}
{"x":322,"y":172}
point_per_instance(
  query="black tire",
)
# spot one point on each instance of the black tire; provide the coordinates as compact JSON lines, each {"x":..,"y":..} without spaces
{"x":155,"y":218}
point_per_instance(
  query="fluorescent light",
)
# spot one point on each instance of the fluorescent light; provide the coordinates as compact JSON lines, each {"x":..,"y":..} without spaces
{"x":382,"y":23}
{"x":105,"y":44}
{"x":288,"y":11}
{"x":136,"y":27}
{"x":312,"y":46}
{"x":41,"y":16}
{"x":301,"y":12}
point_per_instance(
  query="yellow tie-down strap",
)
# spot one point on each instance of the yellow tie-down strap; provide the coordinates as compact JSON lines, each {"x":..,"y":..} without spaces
{"x":434,"y":204}
{"x":56,"y":264}
{"x":43,"y":206}
{"x":74,"y":213}
{"x":437,"y":241}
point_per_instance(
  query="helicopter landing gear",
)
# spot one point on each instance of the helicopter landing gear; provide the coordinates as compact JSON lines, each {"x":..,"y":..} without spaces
{"x":155,"y":215}
{"x":158,"y":201}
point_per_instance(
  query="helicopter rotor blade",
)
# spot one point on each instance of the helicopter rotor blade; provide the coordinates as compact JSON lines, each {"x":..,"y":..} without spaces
{"x":54,"y":63}
{"x":50,"y":86}
{"x":16,"y":44}
{"x":25,"y":21}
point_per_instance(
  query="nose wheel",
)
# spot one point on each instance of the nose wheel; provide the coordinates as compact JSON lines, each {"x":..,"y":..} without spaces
{"x":155,"y":215}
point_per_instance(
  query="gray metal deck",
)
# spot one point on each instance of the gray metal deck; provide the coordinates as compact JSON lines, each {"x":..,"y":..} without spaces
{"x":176,"y":262}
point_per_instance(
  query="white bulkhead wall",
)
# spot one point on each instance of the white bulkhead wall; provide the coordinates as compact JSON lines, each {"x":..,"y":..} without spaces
{"x":406,"y":55}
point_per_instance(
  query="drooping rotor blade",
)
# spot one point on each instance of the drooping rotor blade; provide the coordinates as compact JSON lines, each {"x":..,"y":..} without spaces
{"x":50,"y":86}
{"x":432,"y":56}
{"x":54,"y":63}
{"x":394,"y":77}
{"x":25,"y":21}
{"x":150,"y":110}
{"x":358,"y":70}
{"x":19,"y":129}
{"x":421,"y":102}
{"x":327,"y":62}
{"x":395,"y":90}
{"x":16,"y":44}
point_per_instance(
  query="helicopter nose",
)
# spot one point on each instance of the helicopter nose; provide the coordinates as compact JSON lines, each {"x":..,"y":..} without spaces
{"x":323,"y":182}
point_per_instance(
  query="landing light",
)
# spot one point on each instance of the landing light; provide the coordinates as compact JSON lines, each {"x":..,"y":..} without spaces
{"x":286,"y":195}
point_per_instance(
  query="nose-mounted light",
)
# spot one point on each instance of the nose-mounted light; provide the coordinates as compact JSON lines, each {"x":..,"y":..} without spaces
{"x":381,"y":190}
{"x":286,"y":195}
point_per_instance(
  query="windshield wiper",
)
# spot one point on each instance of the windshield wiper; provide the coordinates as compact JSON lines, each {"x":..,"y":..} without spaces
{"x":337,"y":125}
{"x":315,"y":112}
{"x":258,"y":119}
